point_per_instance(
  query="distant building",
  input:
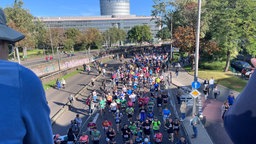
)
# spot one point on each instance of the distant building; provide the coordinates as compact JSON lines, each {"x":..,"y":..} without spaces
{"x":114,"y":13}
{"x":101,"y":23}
{"x":115,"y":7}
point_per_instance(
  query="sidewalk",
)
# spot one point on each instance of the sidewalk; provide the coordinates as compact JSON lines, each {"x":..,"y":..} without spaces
{"x":58,"y":98}
{"x":211,"y":129}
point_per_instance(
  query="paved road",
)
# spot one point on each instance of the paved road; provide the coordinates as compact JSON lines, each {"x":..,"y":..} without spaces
{"x":62,"y":124}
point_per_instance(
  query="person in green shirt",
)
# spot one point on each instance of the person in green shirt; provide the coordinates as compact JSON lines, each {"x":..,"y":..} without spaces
{"x":133,"y":128}
{"x":96,"y":136}
{"x":102,"y":106}
{"x":129,"y":112}
{"x":156,"y":125}
{"x":123,"y":104}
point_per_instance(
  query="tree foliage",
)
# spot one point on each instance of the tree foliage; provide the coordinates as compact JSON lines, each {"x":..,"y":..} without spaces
{"x":114,"y":35}
{"x":185,"y":39}
{"x":21,"y":20}
{"x":164,"y":34}
{"x":92,"y":38}
{"x":232,"y":25}
{"x":140,"y":34}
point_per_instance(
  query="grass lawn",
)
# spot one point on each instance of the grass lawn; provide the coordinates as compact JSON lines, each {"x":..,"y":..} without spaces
{"x":227,"y":79}
{"x":52,"y":83}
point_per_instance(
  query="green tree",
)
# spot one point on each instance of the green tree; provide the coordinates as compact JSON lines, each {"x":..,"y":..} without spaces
{"x":164,"y":34}
{"x":40,"y":34}
{"x":140,"y":34}
{"x":114,"y":35}
{"x":72,"y":33}
{"x":69,"y":44}
{"x":232,"y":25}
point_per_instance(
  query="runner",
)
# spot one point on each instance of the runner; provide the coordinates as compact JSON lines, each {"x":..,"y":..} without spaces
{"x":146,"y":128}
{"x":126,"y":133}
{"x":156,"y":125}
{"x":169,"y":127}
{"x":95,"y":136}
{"x":106,"y":124}
{"x":166,"y":113}
{"x":110,"y":136}
{"x":102,"y":106}
{"x":158,"y":138}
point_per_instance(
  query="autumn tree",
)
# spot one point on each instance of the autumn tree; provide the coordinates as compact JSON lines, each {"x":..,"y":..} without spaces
{"x":184,"y":38}
{"x":91,"y":38}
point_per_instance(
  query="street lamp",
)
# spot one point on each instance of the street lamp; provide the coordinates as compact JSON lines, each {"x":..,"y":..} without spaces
{"x":197,"y":51}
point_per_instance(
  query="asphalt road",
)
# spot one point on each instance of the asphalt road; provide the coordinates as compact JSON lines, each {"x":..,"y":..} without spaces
{"x":63,"y":123}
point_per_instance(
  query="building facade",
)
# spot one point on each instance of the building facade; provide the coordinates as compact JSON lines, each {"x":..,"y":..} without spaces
{"x":101,"y":23}
{"x":115,"y":7}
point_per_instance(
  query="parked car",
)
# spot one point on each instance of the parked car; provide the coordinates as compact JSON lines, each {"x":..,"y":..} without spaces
{"x":239,"y":65}
{"x":247,"y":72}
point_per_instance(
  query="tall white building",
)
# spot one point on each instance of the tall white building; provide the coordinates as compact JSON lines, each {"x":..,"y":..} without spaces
{"x":115,"y":7}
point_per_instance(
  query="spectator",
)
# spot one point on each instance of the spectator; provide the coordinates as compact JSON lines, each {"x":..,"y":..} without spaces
{"x":71,"y":136}
{"x":78,"y":120}
{"x":194,"y":122}
{"x":182,"y":140}
{"x":177,"y":72}
{"x":183,"y":109}
{"x":206,"y":83}
{"x":58,"y":84}
{"x":63,"y":82}
{"x":24,"y":110}
{"x":84,"y":67}
{"x":211,"y":84}
{"x":231,"y":99}
{"x":216,"y":92}
{"x":224,"y":108}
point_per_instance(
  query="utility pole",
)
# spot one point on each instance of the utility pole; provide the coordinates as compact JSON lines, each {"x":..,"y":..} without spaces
{"x":51,"y":40}
{"x":197,"y":50}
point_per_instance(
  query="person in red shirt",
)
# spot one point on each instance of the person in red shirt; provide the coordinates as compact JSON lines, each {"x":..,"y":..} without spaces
{"x":106,"y":124}
{"x":91,"y":126}
{"x":84,"y":139}
{"x":158,"y":138}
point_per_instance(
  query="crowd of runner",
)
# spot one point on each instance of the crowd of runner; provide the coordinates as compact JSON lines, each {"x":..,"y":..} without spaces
{"x":135,"y":104}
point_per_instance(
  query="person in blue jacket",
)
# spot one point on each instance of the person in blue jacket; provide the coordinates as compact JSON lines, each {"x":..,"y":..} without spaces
{"x":231,"y":99}
{"x":240,"y":118}
{"x":23,"y":106}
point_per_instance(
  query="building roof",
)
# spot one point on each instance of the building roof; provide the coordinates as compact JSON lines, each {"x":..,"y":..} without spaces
{"x":129,"y":17}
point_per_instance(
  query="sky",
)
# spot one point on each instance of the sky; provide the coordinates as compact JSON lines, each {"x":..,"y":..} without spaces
{"x":45,"y":8}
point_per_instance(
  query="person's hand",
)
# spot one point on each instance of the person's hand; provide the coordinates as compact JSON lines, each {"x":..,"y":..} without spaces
{"x":253,"y":61}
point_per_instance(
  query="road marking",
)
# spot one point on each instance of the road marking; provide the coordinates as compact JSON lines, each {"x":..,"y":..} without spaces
{"x":95,"y":118}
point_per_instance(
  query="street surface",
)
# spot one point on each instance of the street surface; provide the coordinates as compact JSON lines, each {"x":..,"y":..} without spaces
{"x":63,"y":123}
{"x":57,"y":98}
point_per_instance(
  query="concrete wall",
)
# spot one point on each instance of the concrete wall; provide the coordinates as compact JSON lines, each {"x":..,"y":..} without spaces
{"x":54,"y":66}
